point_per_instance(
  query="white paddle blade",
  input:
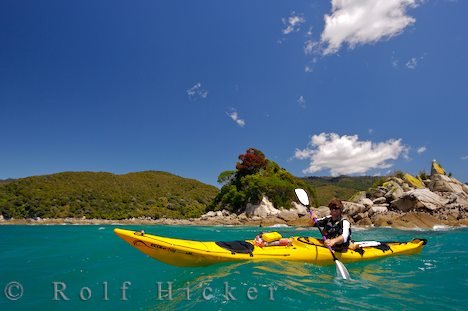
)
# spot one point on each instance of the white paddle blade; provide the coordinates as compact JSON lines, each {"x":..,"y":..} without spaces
{"x":302,"y":196}
{"x":341,"y":270}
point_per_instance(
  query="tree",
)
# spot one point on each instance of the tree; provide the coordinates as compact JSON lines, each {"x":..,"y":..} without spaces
{"x":252,"y":162}
{"x":256,"y":177}
{"x":226,"y":177}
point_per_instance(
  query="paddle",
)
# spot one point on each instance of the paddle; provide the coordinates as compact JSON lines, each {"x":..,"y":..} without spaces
{"x":341,"y":270}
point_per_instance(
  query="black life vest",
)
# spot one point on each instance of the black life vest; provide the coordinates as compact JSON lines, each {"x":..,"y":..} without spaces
{"x":332,"y":229}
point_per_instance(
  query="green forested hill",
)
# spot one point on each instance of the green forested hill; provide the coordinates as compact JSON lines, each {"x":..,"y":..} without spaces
{"x":158,"y":194}
{"x":105,"y":195}
{"x":342,"y":187}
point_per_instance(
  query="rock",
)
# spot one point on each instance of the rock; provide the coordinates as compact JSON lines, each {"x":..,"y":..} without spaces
{"x":398,"y":181}
{"x":436,"y":168}
{"x":288,"y":215}
{"x":1,"y":217}
{"x":384,"y":220}
{"x":455,"y":199}
{"x":390,"y":184}
{"x":377,"y":209}
{"x":360,"y":216}
{"x":271,"y":221}
{"x":364,"y":222}
{"x":322,"y":211}
{"x":366,"y":202}
{"x":395,"y":193}
{"x":352,"y":209}
{"x":211,"y":214}
{"x":264,"y":209}
{"x":358,"y":196}
{"x":394,"y":189}
{"x":242,"y":216}
{"x":219,"y":214}
{"x":413,"y":181}
{"x":376,"y":192}
{"x":443,"y":183}
{"x":415,"y":220}
{"x":406,"y":187}
{"x":419,"y":199}
{"x":465,"y":188}
{"x":301,"y":222}
{"x":300,"y":209}
{"x":380,"y":200}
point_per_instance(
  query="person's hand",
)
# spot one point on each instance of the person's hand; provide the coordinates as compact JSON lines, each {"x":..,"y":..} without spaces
{"x":313,"y":215}
{"x":330,"y":242}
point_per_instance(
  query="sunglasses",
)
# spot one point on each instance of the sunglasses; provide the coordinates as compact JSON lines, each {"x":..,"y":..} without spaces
{"x":334,"y":208}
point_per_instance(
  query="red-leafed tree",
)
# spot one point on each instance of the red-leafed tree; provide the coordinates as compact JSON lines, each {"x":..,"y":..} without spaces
{"x":252,"y":162}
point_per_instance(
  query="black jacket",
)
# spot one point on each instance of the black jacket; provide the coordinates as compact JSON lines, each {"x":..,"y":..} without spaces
{"x":332,"y":229}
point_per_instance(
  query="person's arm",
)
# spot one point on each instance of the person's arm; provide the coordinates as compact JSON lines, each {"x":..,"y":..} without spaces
{"x":320,"y":221}
{"x":341,"y":238}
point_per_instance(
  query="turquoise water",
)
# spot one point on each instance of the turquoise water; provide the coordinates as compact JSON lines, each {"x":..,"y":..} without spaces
{"x":92,"y":261}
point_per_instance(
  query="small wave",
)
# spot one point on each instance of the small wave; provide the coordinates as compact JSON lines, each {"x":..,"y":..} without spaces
{"x":278,"y":226}
{"x":101,"y":228}
{"x":362,"y":228}
{"x":434,"y":228}
{"x":443,"y":228}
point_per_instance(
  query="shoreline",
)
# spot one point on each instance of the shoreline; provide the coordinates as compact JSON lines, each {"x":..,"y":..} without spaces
{"x":412,"y":220}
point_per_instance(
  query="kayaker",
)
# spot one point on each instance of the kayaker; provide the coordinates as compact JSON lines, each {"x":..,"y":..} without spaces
{"x":336,"y":228}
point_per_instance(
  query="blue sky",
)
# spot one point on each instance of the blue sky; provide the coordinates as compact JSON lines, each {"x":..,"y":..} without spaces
{"x":321,"y":87}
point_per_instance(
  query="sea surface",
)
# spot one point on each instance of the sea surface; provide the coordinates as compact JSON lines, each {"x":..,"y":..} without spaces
{"x":60,"y":267}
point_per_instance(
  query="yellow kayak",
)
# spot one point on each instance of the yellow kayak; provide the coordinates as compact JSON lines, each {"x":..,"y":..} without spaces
{"x":186,"y":253}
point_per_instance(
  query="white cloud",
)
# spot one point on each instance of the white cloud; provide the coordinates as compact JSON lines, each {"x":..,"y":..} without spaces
{"x":370,"y":131}
{"x":464,"y":158}
{"x":235,"y":117}
{"x":310,"y":46}
{"x":421,"y":149}
{"x":347,"y":155}
{"x":302,"y":102}
{"x":355,"y":22}
{"x":197,"y":91}
{"x":293,"y":23}
{"x":412,"y":63}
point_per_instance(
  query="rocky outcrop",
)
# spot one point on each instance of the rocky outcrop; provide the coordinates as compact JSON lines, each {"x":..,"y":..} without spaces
{"x":264,"y":209}
{"x":301,"y":209}
{"x":399,"y":202}
{"x":419,"y":199}
{"x":443,"y":183}
{"x":439,"y":196}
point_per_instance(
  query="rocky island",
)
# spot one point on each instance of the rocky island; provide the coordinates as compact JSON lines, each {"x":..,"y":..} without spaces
{"x":402,"y":201}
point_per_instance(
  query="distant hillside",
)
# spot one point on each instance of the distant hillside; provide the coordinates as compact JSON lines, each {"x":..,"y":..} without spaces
{"x":6,"y":181}
{"x":342,"y":187}
{"x":105,"y":196}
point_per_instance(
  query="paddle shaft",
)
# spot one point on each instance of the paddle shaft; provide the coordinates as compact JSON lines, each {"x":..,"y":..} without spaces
{"x":323,"y":236}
